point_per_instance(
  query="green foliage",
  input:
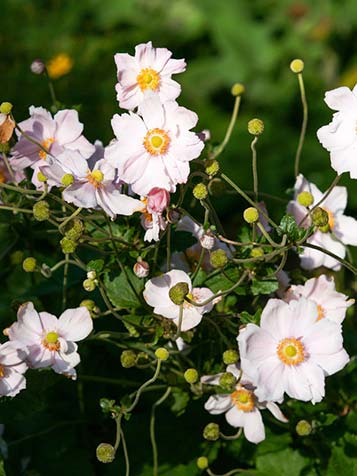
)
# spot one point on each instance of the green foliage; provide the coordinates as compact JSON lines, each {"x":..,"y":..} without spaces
{"x":124,"y":291}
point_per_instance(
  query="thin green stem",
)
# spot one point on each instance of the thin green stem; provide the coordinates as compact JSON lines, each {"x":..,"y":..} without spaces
{"x":179,"y":325}
{"x":230,"y":473}
{"x":144,"y":385}
{"x":152,"y":430}
{"x":9,"y":168}
{"x":15,"y":209}
{"x":68,"y":219}
{"x":254,"y":168}
{"x":345,"y":263}
{"x":126,"y":455}
{"x":65,"y":282}
{"x":230,"y":128}
{"x":304,"y":124}
{"x":168,"y":247}
{"x":231,"y":437}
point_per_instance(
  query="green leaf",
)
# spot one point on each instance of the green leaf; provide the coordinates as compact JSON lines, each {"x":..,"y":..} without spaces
{"x":95,"y":265}
{"x":2,"y":469}
{"x":264,"y":287}
{"x":181,"y":399}
{"x":289,"y":227}
{"x":246,"y":318}
{"x":222,"y":282}
{"x":341,"y":464}
{"x":125,"y":290}
{"x":283,"y":463}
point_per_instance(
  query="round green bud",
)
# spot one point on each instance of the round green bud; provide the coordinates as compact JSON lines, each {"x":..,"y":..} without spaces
{"x":319,"y":217}
{"x":211,"y":432}
{"x":178,"y":293}
{"x":191,"y":375}
{"x":5,"y":148}
{"x":257,"y":252}
{"x":200,"y":191}
{"x":256,"y":127}
{"x":5,"y":107}
{"x":68,"y":246}
{"x":161,"y":353}
{"x":325,"y":228}
{"x":29,"y":264}
{"x":305,"y":199}
{"x":91,"y":306}
{"x":230,"y":356}
{"x":91,"y":274}
{"x":75,"y":232}
{"x":41,"y":211}
{"x":105,"y":453}
{"x":297,"y":66}
{"x":89,"y":284}
{"x":303,"y":428}
{"x":237,"y":89}
{"x":212,"y":167}
{"x":16,"y":257}
{"x":251,"y":215}
{"x":202,"y":462}
{"x":67,"y":180}
{"x":218,"y":258}
{"x":227,"y":381}
{"x":41,"y":177}
{"x":128,"y":359}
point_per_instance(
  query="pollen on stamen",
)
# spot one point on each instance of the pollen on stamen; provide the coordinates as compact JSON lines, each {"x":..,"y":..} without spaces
{"x":95,"y":178}
{"x":46,"y":144}
{"x":2,"y":371}
{"x":320,"y":312}
{"x":291,"y":351}
{"x":243,"y":399}
{"x":148,"y":78}
{"x":156,"y":141}
{"x":51,"y":341}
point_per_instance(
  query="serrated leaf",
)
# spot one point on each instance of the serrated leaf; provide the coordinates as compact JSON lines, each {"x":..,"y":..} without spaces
{"x":125,"y":290}
{"x":95,"y":265}
{"x":181,"y":399}
{"x":264,"y":286}
{"x":283,"y":463}
{"x":341,"y":464}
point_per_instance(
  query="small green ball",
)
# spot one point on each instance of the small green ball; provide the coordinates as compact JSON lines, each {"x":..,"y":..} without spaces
{"x":256,"y":127}
{"x":200,"y":191}
{"x":68,"y":246}
{"x":41,"y":211}
{"x":227,"y":381}
{"x":89,"y":284}
{"x":75,"y":232}
{"x":128,"y":359}
{"x":218,"y":258}
{"x":211,"y":432}
{"x":67,"y":180}
{"x":319,"y":217}
{"x":257,"y":252}
{"x":303,"y":428}
{"x":212,"y":167}
{"x":6,"y":107}
{"x":251,"y":215}
{"x":305,"y":199}
{"x":202,"y":462}
{"x":41,"y":177}
{"x":191,"y":375}
{"x":178,"y":292}
{"x":29,"y":264}
{"x":105,"y":453}
{"x":297,"y":66}
{"x":237,"y":89}
{"x":162,"y":354}
{"x":230,"y":356}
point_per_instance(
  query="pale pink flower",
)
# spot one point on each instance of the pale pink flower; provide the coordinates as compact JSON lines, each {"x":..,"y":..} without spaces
{"x":56,"y":134}
{"x":95,"y":188}
{"x":242,"y":406}
{"x":149,"y":71}
{"x":340,"y":136}
{"x":12,"y":369}
{"x":156,"y":294}
{"x":50,"y":342}
{"x":152,"y":220}
{"x":322,"y":290}
{"x":154,"y":150}
{"x":292,"y":351}
{"x":5,"y":176}
{"x":342,"y":229}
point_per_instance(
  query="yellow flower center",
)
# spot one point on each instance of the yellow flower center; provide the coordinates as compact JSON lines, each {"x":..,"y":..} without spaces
{"x":95,"y":178}
{"x":46,"y":144}
{"x":2,"y":371}
{"x":291,"y":351}
{"x":156,"y":141}
{"x":148,"y":78}
{"x":320,"y":312}
{"x":51,"y":341}
{"x":243,"y":399}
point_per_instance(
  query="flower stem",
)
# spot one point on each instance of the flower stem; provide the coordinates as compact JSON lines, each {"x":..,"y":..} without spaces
{"x":152,"y":430}
{"x":230,"y":128}
{"x":304,"y":123}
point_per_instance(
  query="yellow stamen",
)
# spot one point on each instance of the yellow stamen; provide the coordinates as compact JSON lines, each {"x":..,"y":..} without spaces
{"x":51,"y":341}
{"x":148,"y":78}
{"x":291,"y":351}
{"x":320,"y":312}
{"x":156,"y":141}
{"x":46,"y":144}
{"x":243,"y":399}
{"x":2,"y":371}
{"x":95,"y":178}
{"x":331,"y":218}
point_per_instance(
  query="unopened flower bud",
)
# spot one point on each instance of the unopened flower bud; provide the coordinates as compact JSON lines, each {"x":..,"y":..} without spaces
{"x":91,"y":274}
{"x":200,"y":191}
{"x":305,"y":199}
{"x":178,"y":293}
{"x":191,"y":375}
{"x":67,"y":180}
{"x":212,"y":167}
{"x":256,"y":127}
{"x":230,"y":356}
{"x":319,"y":217}
{"x":297,"y":66}
{"x":128,"y":359}
{"x":173,"y":215}
{"x":141,"y":268}
{"x":303,"y":428}
{"x":75,"y":232}
{"x":91,"y":306}
{"x":41,"y":177}
{"x":5,"y":108}
{"x":161,"y":353}
{"x":218,"y":258}
{"x":29,"y":264}
{"x":207,"y":240}
{"x":105,"y":453}
{"x":202,"y":462}
{"x":89,"y":285}
{"x":68,"y":246}
{"x":251,"y":215}
{"x":237,"y":89}
{"x":41,"y":210}
{"x":257,"y":252}
{"x":211,"y":432}
{"x":37,"y":66}
{"x":227,"y":381}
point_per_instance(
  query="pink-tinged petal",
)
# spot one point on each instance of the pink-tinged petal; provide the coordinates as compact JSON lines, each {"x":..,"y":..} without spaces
{"x":12,"y":384}
{"x":253,"y":428}
{"x":316,"y":380}
{"x":40,"y":357}
{"x":176,"y":115}
{"x":190,"y":319}
{"x":276,"y":319}
{"x":296,"y":383}
{"x":68,"y":126}
{"x":75,"y":324}
{"x":336,"y":202}
{"x":169,"y":89}
{"x":304,"y":314}
{"x":128,"y":128}
{"x":217,"y":404}
{"x":211,"y":379}
{"x":65,"y":363}
{"x":81,"y":194}
{"x":237,"y":372}
{"x":82,"y":145}
{"x":130,"y":97}
{"x":345,"y":229}
{"x":49,"y":322}
{"x":155,"y":167}
{"x":12,"y":353}
{"x":338,"y":134}
{"x":311,"y":258}
{"x":324,"y":337}
{"x":152,"y":112}
{"x":203,"y":294}
{"x":173,"y":66}
{"x":187,"y":146}
{"x":276,"y":412}
{"x":115,"y":203}
{"x":331,"y":363}
{"x":270,"y":384}
{"x":260,"y":345}
{"x":235,"y":417}
{"x":73,"y":163}
{"x":145,"y":54}
{"x":343,"y":160}
{"x":29,"y":318}
{"x":125,"y":62}
{"x":341,"y":99}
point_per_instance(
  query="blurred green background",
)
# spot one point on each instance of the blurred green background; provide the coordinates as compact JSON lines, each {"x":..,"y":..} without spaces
{"x":224,"y":42}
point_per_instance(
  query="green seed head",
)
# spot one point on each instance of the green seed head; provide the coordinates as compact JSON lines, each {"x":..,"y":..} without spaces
{"x":218,"y":258}
{"x":303,"y":428}
{"x":237,"y":89}
{"x":105,"y":453}
{"x":29,"y":264}
{"x":256,"y":127}
{"x":41,"y":177}
{"x":211,"y":432}
{"x":191,"y":375}
{"x":5,"y":107}
{"x":128,"y":359}
{"x":41,"y":211}
{"x":251,"y":215}
{"x":67,"y":180}
{"x":75,"y":232}
{"x":230,"y":357}
{"x":257,"y":252}
{"x":178,"y":293}
{"x":68,"y":246}
{"x":89,"y":284}
{"x":162,"y":354}
{"x":297,"y":66}
{"x":200,"y":191}
{"x":227,"y":381}
{"x":305,"y":199}
{"x":319,"y":217}
{"x":202,"y":462}
{"x":212,"y":167}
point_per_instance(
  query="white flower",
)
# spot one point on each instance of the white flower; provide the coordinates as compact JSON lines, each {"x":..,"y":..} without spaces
{"x":156,"y":294}
{"x":154,"y":150}
{"x":149,"y":70}
{"x":241,"y":407}
{"x":292,"y":351}
{"x":12,"y":368}
{"x":342,"y":229}
{"x":322,"y":290}
{"x":50,"y":342}
{"x":340,"y":136}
